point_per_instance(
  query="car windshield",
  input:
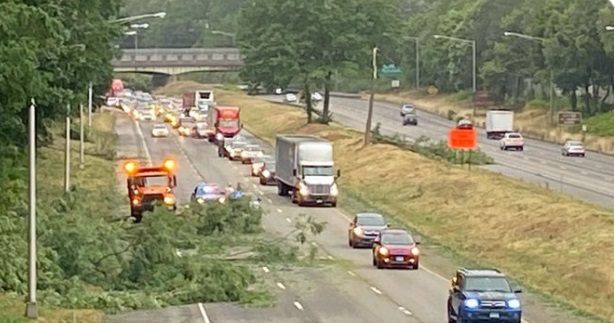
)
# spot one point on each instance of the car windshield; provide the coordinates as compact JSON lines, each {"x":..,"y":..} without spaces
{"x":270,"y":166}
{"x":201,"y":126}
{"x":575,"y":144}
{"x":514,"y":136}
{"x":371,"y":220}
{"x":407,"y":107}
{"x":208,"y":189}
{"x":400,"y":239}
{"x":252,"y":148}
{"x":238,"y":144}
{"x":317,"y":171}
{"x":231,"y":123}
{"x":156,"y":180}
{"x":487,"y":284}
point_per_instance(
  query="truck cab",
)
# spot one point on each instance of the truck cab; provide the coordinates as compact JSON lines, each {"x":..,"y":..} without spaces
{"x":148,"y":186}
{"x":305,"y":169}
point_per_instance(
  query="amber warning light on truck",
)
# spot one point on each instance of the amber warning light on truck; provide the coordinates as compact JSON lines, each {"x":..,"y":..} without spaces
{"x":133,"y":167}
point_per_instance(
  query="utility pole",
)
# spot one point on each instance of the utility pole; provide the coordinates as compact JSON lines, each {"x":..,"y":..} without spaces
{"x":67,"y":156}
{"x":551,"y":103}
{"x":90,"y":105}
{"x":370,"y":110}
{"x":31,"y":306}
{"x":81,"y":138}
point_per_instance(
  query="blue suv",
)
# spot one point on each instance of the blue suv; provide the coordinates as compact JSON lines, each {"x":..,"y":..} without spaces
{"x":482,"y":295}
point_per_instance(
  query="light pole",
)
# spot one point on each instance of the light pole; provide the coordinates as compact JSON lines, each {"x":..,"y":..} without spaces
{"x":467,"y":41}
{"x":90,"y":93}
{"x":139,"y":17}
{"x":67,"y":152}
{"x":224,"y":33}
{"x":133,"y":33}
{"x":138,"y":26}
{"x":81,"y":138}
{"x":370,"y":110}
{"x":417,"y":59}
{"x":551,"y":87}
{"x":31,"y":306}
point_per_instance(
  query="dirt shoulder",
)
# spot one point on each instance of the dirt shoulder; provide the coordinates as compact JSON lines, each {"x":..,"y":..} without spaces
{"x":532,"y":122}
{"x":524,"y":230}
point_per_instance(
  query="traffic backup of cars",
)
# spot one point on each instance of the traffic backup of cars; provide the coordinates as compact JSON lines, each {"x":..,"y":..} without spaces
{"x":302,"y":167}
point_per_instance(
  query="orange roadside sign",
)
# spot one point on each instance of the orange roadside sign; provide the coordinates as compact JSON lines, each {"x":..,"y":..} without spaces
{"x":462,"y":138}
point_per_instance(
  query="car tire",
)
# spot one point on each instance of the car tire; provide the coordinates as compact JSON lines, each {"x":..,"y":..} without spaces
{"x":350,"y":244}
{"x":416,"y":266}
{"x":582,"y":155}
{"x":260,"y":181}
{"x":521,"y":148}
{"x":374,"y":262}
{"x":379,"y":265}
{"x":334,"y":204}
{"x":281,"y":189}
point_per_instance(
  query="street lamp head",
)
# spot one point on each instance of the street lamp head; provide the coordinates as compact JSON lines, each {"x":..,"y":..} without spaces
{"x":506,"y":33}
{"x":130,"y":33}
{"x":437,"y":36}
{"x":160,"y":14}
{"x":139,"y":26}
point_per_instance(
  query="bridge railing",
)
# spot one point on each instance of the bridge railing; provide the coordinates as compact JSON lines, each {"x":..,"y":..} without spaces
{"x":179,"y":57}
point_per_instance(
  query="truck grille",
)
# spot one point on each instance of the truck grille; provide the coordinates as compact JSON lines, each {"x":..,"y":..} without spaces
{"x":151,"y":198}
{"x":493,"y":304}
{"x":319,"y":189}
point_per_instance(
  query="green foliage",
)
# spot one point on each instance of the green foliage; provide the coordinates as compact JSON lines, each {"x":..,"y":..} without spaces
{"x":601,"y":124}
{"x":437,"y":150}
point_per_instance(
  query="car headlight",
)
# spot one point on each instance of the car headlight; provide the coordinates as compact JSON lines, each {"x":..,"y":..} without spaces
{"x":415,"y":251}
{"x":200,"y":200}
{"x":222,"y":199}
{"x":514,"y":303}
{"x":383,"y":251}
{"x":169,"y":200}
{"x":219,"y":136}
{"x":358,"y":231}
{"x":136,"y":202}
{"x":266,"y":173}
{"x":470,"y":303}
{"x":334,"y":190}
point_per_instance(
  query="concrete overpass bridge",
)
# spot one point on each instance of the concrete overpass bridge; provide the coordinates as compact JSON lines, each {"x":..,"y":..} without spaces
{"x":176,"y":61}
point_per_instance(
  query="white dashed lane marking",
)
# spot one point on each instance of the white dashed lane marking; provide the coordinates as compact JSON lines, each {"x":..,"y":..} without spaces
{"x":375,"y":290}
{"x":298,"y":306}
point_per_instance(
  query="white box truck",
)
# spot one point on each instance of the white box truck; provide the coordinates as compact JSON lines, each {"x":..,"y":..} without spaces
{"x":305,"y":170}
{"x":499,"y":122}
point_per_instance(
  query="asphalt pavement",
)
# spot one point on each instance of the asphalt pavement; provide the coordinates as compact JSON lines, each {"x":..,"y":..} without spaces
{"x":589,"y":179}
{"x":328,"y":295}
{"x":356,"y":293}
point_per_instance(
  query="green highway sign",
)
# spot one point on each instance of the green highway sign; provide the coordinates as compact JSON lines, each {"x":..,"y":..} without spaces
{"x":390,"y":69}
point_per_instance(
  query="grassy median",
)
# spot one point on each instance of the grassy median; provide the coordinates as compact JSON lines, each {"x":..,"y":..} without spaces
{"x":553,"y":244}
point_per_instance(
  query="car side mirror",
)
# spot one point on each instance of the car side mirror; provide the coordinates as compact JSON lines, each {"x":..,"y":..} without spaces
{"x":455,"y":289}
{"x":388,"y":225}
{"x":339,"y":173}
{"x":517,"y":290}
{"x":241,"y":125}
{"x":294,"y":172}
{"x":351,"y":224}
{"x":174,"y":181}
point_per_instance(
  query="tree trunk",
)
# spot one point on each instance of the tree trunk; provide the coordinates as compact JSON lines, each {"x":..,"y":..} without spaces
{"x":325,"y":109}
{"x":308,"y":100}
{"x":603,"y":105}
{"x":587,"y":101}
{"x":573,"y":100}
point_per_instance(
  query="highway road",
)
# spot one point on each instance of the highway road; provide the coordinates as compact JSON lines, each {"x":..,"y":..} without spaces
{"x":589,"y":179}
{"x":328,"y":294}
{"x":357,"y":293}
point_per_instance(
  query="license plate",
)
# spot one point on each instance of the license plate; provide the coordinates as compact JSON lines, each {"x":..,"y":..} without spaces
{"x":494,"y":315}
{"x":399,"y":258}
{"x":319,"y":201}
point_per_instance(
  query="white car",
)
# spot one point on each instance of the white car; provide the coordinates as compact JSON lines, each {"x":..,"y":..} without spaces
{"x":289,"y":97}
{"x":407,"y":109}
{"x":235,"y":149}
{"x":512,"y":140}
{"x":316,"y":96}
{"x":573,"y":148}
{"x":113,"y":102}
{"x":160,"y":130}
{"x":249,"y":153}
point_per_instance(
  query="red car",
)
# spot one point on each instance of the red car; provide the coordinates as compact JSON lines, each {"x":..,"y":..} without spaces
{"x":395,"y":248}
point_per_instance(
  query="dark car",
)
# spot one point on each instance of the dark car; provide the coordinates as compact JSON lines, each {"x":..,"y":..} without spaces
{"x":208,"y":192}
{"x":267,"y":174}
{"x":395,"y":248}
{"x":364,"y":229}
{"x":410,"y":119}
{"x":483,"y":295}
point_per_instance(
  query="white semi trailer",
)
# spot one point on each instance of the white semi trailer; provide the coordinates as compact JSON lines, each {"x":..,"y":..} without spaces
{"x":305,"y":169}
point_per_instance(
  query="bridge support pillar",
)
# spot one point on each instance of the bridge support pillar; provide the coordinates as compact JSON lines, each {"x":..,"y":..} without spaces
{"x":160,"y":80}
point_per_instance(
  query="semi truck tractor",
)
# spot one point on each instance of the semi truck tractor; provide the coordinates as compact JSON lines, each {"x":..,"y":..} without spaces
{"x":305,"y":170}
{"x":498,"y":123}
{"x":223,"y":122}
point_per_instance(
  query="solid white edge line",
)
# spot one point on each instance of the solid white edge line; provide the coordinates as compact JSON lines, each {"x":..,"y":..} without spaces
{"x":351,"y":273}
{"x":405,"y":311}
{"x":279,"y":210}
{"x":143,"y":143}
{"x":298,"y":305}
{"x":203,"y":313}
